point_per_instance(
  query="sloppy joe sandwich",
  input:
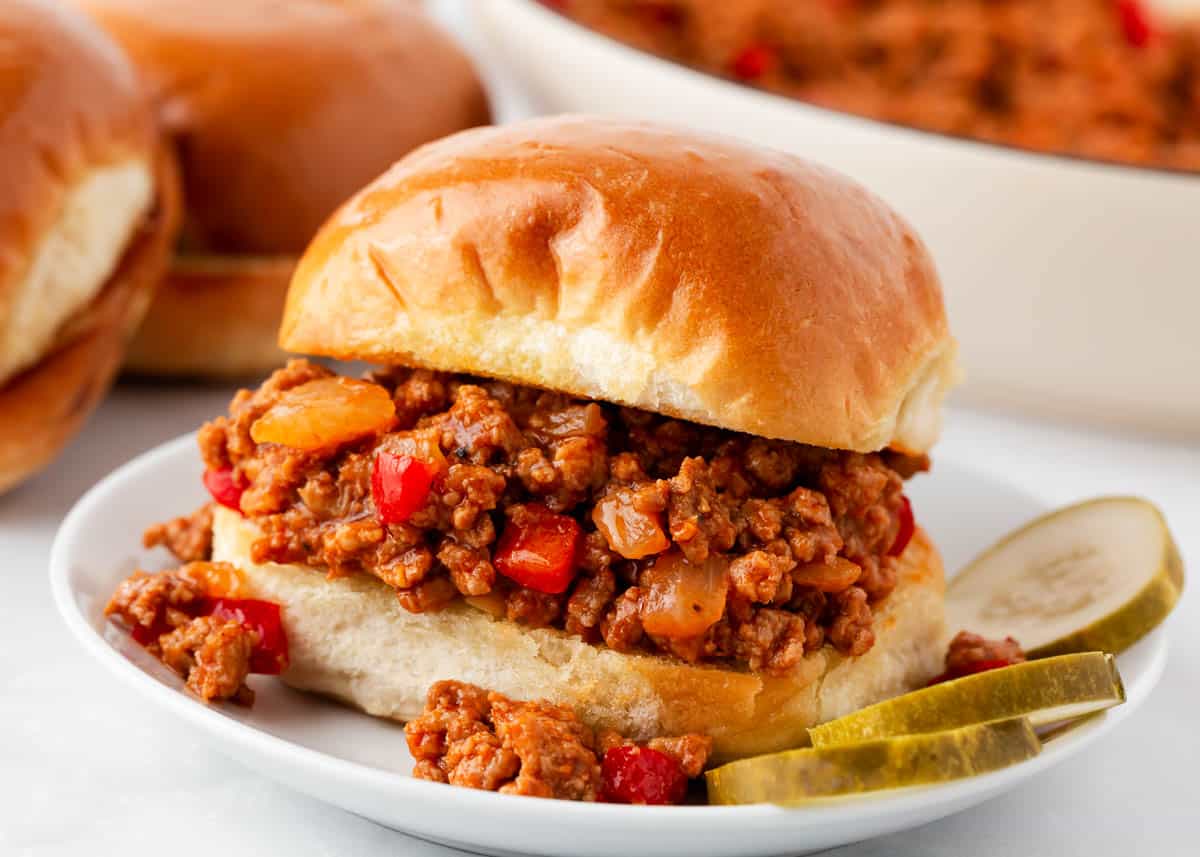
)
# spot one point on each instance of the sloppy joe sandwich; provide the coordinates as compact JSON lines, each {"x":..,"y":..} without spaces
{"x":88,"y":212}
{"x":637,"y":443}
{"x":278,"y":111}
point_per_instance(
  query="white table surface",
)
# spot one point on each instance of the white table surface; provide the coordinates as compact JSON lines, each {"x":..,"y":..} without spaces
{"x":85,"y":768}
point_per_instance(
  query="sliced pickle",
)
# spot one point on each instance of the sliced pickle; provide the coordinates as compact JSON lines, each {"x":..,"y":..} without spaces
{"x":1097,"y":576}
{"x":795,"y":776}
{"x":1044,"y":691}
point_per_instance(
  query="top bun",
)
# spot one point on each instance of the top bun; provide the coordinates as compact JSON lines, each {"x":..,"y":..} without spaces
{"x":77,"y":164}
{"x":685,"y":274}
{"x":282,"y":110}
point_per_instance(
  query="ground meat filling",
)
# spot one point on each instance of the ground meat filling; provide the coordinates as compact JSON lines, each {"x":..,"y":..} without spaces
{"x":188,"y":537}
{"x":793,"y":540}
{"x":470,"y":737}
{"x":967,"y":651}
{"x":211,"y":654}
{"x":154,"y":602}
{"x":1108,"y":79}
{"x":970,"y":653}
{"x":480,"y":739}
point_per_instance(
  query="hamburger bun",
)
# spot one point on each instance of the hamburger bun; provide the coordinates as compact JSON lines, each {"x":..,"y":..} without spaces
{"x":241,"y":296}
{"x":350,"y":639}
{"x":88,"y":214}
{"x":690,"y":275}
{"x":279,"y":111}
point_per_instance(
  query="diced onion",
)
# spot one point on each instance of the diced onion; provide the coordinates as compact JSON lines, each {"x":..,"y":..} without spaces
{"x":682,"y":600}
{"x":832,"y":576}
{"x":631,"y":533}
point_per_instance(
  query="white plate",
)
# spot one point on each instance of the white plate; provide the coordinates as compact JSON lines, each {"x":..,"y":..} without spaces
{"x":362,"y":765}
{"x":1039,"y":254}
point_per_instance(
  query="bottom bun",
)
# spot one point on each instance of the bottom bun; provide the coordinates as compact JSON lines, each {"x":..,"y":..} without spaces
{"x":47,"y":404}
{"x":214,"y":317}
{"x":350,"y":639}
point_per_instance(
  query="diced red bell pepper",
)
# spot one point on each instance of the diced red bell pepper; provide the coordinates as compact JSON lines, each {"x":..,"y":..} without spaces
{"x":540,"y":552}
{"x":907,"y":527}
{"x":270,"y":655}
{"x":1135,"y":22}
{"x":754,"y":61}
{"x":225,"y":488}
{"x":399,"y":485}
{"x":972,"y":669}
{"x":641,"y":775}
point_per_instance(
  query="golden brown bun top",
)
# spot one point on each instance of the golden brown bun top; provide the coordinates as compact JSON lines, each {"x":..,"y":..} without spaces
{"x":70,"y":103}
{"x":283,"y":108}
{"x":685,"y":274}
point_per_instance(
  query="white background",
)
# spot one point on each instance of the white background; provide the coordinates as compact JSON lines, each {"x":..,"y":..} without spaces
{"x":85,"y":769}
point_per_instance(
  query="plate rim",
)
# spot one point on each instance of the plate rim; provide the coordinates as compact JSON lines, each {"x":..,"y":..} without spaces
{"x":233,"y":732}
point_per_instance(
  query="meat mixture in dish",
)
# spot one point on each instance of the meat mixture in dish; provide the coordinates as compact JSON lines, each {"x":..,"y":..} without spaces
{"x":1104,"y":79}
{"x":626,"y":528}
{"x":471,"y":737}
{"x":190,"y":619}
{"x":970,"y":653}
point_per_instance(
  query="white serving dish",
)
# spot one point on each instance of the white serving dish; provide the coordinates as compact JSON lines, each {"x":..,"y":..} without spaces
{"x":1073,"y":286}
{"x":361,"y":763}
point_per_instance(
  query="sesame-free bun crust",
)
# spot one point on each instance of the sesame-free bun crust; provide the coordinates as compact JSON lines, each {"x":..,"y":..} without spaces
{"x":46,"y":405}
{"x":281,"y":110}
{"x":214,"y":317}
{"x":690,"y":275}
{"x":350,"y":639}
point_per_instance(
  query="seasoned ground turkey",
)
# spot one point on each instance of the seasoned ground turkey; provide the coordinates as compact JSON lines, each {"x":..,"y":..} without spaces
{"x":968,"y":650}
{"x":480,"y":739}
{"x":188,"y":537}
{"x":214,"y":656}
{"x":154,"y":602}
{"x":211,"y":654}
{"x":970,"y":653}
{"x":1105,"y":79}
{"x":791,"y":541}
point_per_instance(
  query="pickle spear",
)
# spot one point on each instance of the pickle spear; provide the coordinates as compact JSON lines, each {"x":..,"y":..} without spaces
{"x":1097,"y":576}
{"x":1044,"y":691}
{"x":795,"y":776}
